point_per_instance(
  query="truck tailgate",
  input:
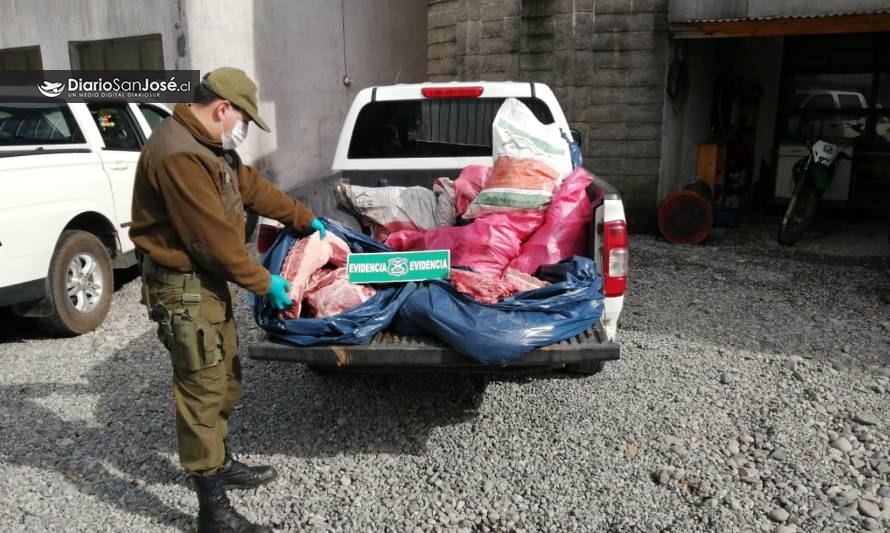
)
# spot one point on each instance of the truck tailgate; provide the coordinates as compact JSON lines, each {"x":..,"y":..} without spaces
{"x":389,"y":350}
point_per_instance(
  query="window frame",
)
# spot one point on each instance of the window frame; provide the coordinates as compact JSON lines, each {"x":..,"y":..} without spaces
{"x":134,"y":121}
{"x":354,"y":152}
{"x":156,"y":109}
{"x":22,"y":49}
{"x":75,"y":49}
{"x":77,"y":137}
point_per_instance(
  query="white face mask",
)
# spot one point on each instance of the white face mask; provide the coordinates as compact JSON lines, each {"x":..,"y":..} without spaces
{"x":233,"y":140}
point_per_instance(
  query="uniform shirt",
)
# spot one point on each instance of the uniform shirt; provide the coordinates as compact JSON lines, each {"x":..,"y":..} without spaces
{"x":188,"y":203}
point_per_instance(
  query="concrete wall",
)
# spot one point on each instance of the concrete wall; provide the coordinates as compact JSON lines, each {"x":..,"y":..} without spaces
{"x":298,"y":60}
{"x":712,"y":9}
{"x":604,"y":59}
{"x":294,"y":50}
{"x":687,"y":124}
{"x":53,"y":23}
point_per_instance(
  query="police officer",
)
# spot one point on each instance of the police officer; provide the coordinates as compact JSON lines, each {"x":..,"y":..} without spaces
{"x":188,"y":227}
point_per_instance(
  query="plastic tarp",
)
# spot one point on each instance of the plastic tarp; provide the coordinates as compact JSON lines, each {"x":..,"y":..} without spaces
{"x":514,"y":326}
{"x":355,"y":326}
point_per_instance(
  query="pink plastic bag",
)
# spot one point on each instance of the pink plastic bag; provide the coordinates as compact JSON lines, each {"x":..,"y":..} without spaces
{"x":467,"y":186}
{"x":563,"y":233}
{"x":486,"y":246}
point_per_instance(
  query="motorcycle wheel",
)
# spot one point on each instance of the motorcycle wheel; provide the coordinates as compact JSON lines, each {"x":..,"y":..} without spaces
{"x":800,"y":212}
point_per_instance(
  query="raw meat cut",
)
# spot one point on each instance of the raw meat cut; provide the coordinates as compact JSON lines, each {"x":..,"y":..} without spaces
{"x":316,"y":277}
{"x":339,"y":251}
{"x":490,"y":289}
{"x":482,"y":287}
{"x":333,"y":294}
{"x":521,"y":282}
{"x":307,"y":256}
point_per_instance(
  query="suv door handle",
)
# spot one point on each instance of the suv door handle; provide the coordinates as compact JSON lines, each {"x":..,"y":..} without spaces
{"x":119,"y":165}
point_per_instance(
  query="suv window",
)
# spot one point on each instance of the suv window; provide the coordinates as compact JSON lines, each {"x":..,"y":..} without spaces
{"x":153,"y":115}
{"x":431,"y":128}
{"x":24,"y":124}
{"x":117,"y":126}
{"x":851,"y":101}
{"x":821,"y":101}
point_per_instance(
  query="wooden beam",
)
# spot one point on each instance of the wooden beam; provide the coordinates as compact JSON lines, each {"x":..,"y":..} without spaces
{"x":784,"y":26}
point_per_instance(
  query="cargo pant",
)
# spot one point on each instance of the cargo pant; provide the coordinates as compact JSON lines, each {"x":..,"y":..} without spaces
{"x":197,"y":327}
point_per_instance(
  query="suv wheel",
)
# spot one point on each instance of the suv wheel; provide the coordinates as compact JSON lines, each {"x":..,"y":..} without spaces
{"x":79,"y":285}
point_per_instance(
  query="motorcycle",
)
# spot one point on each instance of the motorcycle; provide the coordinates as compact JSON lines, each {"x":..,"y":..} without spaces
{"x":812,"y":176}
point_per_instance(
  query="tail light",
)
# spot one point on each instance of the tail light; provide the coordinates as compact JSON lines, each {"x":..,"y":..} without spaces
{"x":266,"y":235}
{"x":451,"y":92}
{"x":615,"y":258}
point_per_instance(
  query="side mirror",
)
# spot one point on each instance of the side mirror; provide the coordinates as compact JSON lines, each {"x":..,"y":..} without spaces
{"x":576,"y":137}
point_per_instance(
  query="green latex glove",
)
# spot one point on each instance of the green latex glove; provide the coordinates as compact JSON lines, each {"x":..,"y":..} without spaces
{"x":277,"y":295}
{"x":318,"y":226}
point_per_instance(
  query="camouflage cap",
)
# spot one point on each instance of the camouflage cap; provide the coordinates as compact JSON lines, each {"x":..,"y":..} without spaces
{"x":233,"y":85}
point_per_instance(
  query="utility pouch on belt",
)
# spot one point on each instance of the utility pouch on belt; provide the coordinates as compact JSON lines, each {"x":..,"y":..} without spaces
{"x":174,"y":301}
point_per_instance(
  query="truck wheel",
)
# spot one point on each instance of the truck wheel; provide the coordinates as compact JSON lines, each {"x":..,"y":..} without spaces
{"x":79,"y":285}
{"x":587,"y":369}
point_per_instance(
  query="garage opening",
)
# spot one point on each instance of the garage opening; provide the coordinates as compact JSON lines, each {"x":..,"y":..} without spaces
{"x":746,"y":100}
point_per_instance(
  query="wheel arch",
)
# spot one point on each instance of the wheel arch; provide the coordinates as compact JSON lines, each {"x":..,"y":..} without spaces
{"x":98,"y":225}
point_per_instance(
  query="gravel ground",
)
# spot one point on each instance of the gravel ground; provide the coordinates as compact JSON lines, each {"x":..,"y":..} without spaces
{"x":752,"y":395}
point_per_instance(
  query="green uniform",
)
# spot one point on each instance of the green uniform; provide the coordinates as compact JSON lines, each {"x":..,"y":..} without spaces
{"x":195,"y":324}
{"x":188,"y":227}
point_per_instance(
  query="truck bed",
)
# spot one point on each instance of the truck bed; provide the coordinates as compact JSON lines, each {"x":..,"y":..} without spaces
{"x":387,"y":350}
{"x":405,"y":352}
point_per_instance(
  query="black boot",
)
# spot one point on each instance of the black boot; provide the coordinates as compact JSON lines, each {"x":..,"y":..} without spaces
{"x":215,"y":513}
{"x":237,"y":475}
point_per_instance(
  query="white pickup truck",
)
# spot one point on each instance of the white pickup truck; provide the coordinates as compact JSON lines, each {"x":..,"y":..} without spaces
{"x":66,"y":185}
{"x":407,"y":135}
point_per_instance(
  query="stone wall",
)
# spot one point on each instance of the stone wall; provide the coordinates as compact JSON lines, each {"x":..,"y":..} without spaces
{"x":604,"y":59}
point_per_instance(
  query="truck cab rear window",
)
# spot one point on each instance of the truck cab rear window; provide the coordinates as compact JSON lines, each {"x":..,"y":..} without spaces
{"x":430,"y":128}
{"x":29,"y":124}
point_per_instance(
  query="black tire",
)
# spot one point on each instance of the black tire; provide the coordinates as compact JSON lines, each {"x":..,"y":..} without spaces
{"x":800,"y":212}
{"x":85,"y":309}
{"x":586,"y":369}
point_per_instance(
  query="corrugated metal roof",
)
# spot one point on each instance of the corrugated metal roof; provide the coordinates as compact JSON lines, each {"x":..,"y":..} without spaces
{"x":783,"y":17}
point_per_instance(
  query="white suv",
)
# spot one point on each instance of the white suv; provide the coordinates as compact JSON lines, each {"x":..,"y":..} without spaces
{"x":66,"y":188}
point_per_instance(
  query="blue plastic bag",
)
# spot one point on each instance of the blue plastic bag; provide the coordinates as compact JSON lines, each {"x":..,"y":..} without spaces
{"x":355,"y":326}
{"x":495,"y":334}
{"x":574,"y":151}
